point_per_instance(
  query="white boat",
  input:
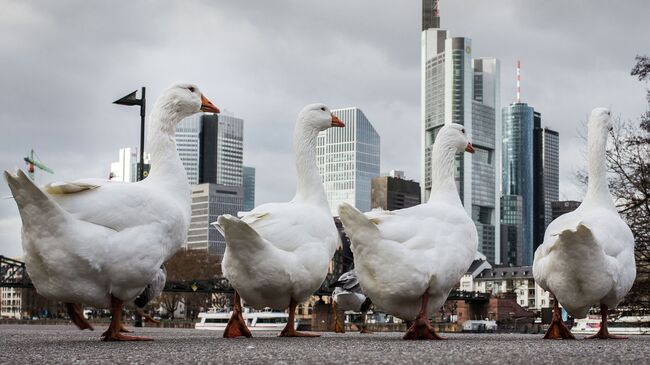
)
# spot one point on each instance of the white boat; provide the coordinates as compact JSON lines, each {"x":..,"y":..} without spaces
{"x":256,"y":321}
{"x":627,"y":325}
{"x":479,"y":326}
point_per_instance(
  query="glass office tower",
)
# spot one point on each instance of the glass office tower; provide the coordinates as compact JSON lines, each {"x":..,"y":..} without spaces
{"x":348,"y":159}
{"x":517,"y":174}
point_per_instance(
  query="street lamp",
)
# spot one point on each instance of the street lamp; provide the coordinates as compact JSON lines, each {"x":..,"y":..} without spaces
{"x":132,"y":100}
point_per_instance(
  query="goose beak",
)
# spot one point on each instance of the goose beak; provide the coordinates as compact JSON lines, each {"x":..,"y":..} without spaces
{"x":469,"y":148}
{"x":207,"y":106}
{"x":336,"y":122}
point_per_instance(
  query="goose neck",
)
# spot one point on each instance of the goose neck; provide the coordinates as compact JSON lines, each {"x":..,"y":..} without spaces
{"x":310,"y":188}
{"x":443,"y":183}
{"x":165,"y":161}
{"x":597,"y":189}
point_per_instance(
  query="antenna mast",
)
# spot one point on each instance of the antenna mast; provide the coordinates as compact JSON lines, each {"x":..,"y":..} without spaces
{"x":518,"y":82}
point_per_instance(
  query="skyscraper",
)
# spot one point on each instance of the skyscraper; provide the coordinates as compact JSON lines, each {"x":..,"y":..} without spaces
{"x":211,"y":148}
{"x":230,"y":150}
{"x":459,"y":89}
{"x":248,"y":174}
{"x":517,"y":175}
{"x":530,"y":174}
{"x":126,"y":167}
{"x":188,"y":142}
{"x":208,"y":202}
{"x":348,"y":159}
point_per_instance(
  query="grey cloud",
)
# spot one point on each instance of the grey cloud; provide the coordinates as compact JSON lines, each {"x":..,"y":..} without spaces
{"x":62,"y":64}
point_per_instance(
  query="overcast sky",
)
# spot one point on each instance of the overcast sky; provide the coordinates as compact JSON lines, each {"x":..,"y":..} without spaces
{"x":62,"y":63}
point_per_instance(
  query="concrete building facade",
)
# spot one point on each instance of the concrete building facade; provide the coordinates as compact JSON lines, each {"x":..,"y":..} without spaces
{"x":208,"y":202}
{"x":392,"y":193}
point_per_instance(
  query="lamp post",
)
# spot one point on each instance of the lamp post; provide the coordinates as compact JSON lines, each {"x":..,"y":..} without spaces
{"x":132,"y":100}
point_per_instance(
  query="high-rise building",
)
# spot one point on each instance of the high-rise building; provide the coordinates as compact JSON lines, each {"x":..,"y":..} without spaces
{"x":348,"y":159}
{"x":211,"y":148}
{"x":547,"y":165}
{"x":230,"y":150}
{"x":394,"y":192}
{"x":459,"y":89}
{"x":188,"y":142}
{"x":530,"y":172}
{"x":563,"y":207}
{"x":248,"y":176}
{"x":208,"y":202}
{"x":126,"y":168}
{"x":517,"y":174}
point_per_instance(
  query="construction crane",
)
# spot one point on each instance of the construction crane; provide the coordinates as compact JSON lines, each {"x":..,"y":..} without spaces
{"x":32,"y":163}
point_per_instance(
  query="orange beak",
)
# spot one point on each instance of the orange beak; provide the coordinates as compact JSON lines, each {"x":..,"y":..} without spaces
{"x":207,"y":106}
{"x":469,"y":148}
{"x":336,"y":122}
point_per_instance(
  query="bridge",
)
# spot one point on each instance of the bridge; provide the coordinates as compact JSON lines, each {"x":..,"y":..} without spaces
{"x":13,"y":274}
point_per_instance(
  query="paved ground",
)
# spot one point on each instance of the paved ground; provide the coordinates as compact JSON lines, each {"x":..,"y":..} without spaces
{"x":36,"y":345}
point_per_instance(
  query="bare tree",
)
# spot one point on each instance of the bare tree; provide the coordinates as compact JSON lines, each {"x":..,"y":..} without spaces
{"x":189,"y":266}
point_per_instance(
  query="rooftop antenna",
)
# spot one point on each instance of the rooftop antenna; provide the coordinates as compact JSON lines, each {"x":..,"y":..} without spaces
{"x":518,"y":81}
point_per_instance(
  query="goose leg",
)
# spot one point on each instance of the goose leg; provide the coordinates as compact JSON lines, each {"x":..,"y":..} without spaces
{"x":290,"y":330}
{"x":422,"y":328}
{"x":337,"y":325}
{"x":77,"y":317}
{"x":113,"y":333}
{"x":147,"y":317}
{"x":236,"y":326}
{"x":557,"y":330}
{"x":603,"y":333}
{"x":364,"y":326}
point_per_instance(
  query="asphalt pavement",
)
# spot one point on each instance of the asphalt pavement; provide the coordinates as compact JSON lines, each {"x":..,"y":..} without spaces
{"x":43,"y":344}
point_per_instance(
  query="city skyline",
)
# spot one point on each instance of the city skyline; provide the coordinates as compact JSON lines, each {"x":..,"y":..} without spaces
{"x":568,"y":69}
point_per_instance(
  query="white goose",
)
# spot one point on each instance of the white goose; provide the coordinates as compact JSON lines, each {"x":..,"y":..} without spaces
{"x":587,"y":256}
{"x":101,"y":242}
{"x":409,"y":260}
{"x":278,"y":254}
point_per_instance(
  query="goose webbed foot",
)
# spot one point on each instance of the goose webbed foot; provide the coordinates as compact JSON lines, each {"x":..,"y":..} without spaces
{"x":290,"y":330}
{"x":147,"y":318}
{"x":114,"y":331}
{"x":557,"y":330}
{"x":364,"y":329}
{"x":421,"y":329}
{"x":236,"y":326}
{"x":603,"y":333}
{"x":77,"y":317}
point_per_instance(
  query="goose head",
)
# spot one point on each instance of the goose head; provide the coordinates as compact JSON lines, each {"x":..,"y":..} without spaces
{"x":601,"y":119}
{"x":184,"y":100}
{"x":453,"y":136}
{"x":318,"y":117}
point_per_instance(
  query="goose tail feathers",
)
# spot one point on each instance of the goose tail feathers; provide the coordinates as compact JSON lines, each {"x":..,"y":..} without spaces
{"x":357,"y":225}
{"x":238,"y":234}
{"x":33,"y":203}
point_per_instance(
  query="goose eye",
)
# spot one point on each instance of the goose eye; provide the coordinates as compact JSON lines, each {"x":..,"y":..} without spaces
{"x":462,"y":130}
{"x":191,"y":89}
{"x":322,"y":108}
